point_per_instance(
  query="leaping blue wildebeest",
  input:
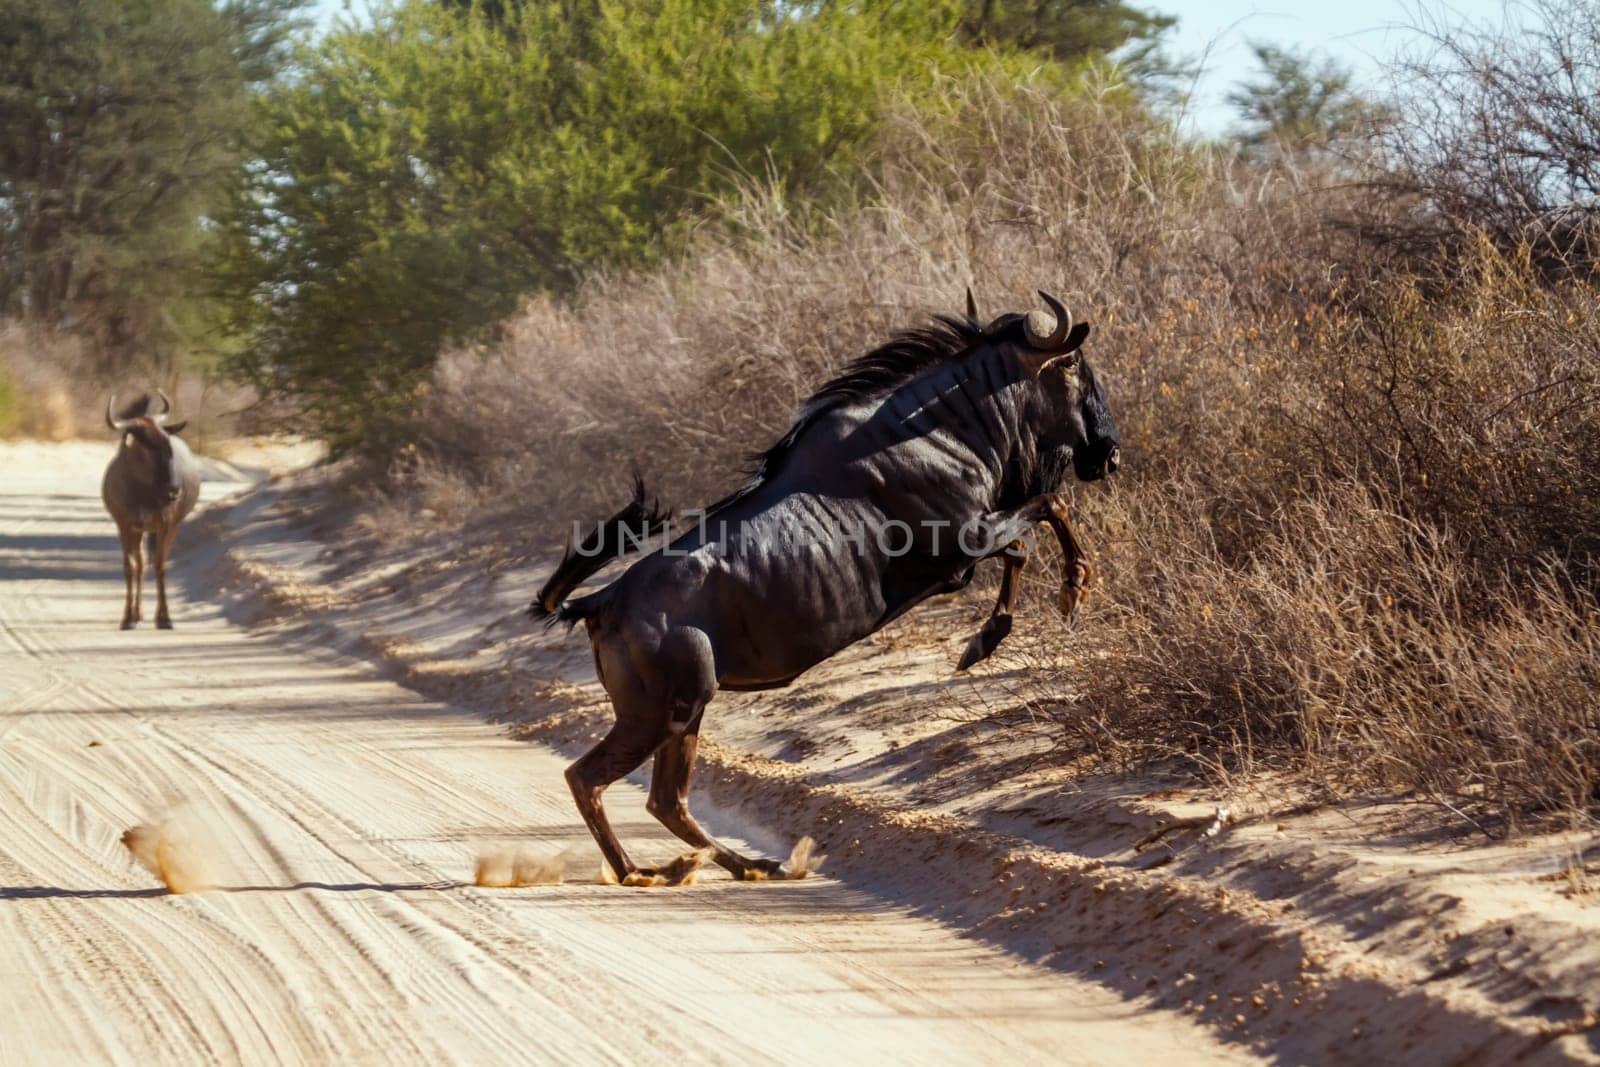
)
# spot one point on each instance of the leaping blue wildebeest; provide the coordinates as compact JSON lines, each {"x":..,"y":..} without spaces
{"x":942,"y":448}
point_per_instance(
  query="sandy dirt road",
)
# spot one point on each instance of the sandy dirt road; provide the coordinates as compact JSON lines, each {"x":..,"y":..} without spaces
{"x":341,"y":812}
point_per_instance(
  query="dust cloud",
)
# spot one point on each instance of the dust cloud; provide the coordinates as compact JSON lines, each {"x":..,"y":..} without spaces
{"x":178,"y":847}
{"x":801,"y":864}
{"x":803,"y":861}
{"x":513,"y":866}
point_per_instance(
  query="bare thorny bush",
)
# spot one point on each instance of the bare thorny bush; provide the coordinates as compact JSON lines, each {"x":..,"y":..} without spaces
{"x":1358,"y":526}
{"x":1500,"y":136}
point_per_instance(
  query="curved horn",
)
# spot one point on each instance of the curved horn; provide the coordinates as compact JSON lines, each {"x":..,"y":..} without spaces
{"x":112,"y":422}
{"x":972,"y":306}
{"x":1033,"y":325}
{"x":166,"y":408}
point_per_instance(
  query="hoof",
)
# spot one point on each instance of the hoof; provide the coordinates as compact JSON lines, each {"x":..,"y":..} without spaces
{"x":644,"y":877}
{"x":1075,"y":589}
{"x":681,"y":871}
{"x":764,"y":871}
{"x":130,"y":624}
{"x":163,"y":624}
{"x":1073,"y":595}
{"x":803,"y":862}
{"x":985,"y":641}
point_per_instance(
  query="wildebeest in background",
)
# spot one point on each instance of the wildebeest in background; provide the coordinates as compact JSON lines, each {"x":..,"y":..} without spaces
{"x":150,"y":485}
{"x":852,"y":518}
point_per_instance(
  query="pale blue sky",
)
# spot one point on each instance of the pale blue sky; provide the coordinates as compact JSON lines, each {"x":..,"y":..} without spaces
{"x":1362,"y":34}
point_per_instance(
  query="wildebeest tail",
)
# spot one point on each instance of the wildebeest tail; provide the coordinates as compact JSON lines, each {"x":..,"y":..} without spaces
{"x":617,"y":536}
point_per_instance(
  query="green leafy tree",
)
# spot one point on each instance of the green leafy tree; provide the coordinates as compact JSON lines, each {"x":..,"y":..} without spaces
{"x":1063,"y":29}
{"x":1298,"y":103}
{"x":119,"y":130}
{"x":422,"y":173}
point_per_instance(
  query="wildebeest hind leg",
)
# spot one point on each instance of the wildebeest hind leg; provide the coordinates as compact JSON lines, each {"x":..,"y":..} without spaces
{"x":669,"y":802}
{"x":620,"y":751}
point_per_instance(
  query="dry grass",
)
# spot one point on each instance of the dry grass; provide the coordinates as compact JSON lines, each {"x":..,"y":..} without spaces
{"x":1359,"y":524}
{"x":1353,"y":642}
{"x":42,"y":394}
{"x":53,"y":389}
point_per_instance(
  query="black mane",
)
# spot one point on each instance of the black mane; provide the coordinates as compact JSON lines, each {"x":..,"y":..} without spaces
{"x":873,"y":375}
{"x":878,"y":372}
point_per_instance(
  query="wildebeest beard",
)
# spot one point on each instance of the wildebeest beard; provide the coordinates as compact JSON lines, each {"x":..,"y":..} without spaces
{"x":1052,"y":470}
{"x":1047,"y":472}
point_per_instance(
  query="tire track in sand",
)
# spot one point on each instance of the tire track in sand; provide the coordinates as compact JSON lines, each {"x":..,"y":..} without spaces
{"x":347,"y":808}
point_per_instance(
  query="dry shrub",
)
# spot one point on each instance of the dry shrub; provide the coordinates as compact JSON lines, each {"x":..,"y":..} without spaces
{"x":1359,"y":518}
{"x":688,"y":368}
{"x":1363,"y":645}
{"x":1474,"y":407}
{"x":1386,"y":572}
{"x":42,"y":383}
{"x":53,"y":388}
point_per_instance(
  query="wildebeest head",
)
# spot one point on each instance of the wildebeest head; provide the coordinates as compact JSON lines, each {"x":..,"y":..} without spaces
{"x":1076,"y":415}
{"x":148,"y":447}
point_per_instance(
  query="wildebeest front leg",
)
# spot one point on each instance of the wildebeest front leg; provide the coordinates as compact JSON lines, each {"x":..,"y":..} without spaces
{"x":998,"y":626}
{"x":161,"y":545}
{"x":669,"y":802}
{"x":1077,"y":569}
{"x":1051,"y":510}
{"x":132,"y":577}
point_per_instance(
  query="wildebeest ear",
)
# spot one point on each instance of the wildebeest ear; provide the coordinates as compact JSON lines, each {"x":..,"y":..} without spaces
{"x":128,"y":440}
{"x":175,"y":427}
{"x":1068,"y":355}
{"x":1065,"y":361}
